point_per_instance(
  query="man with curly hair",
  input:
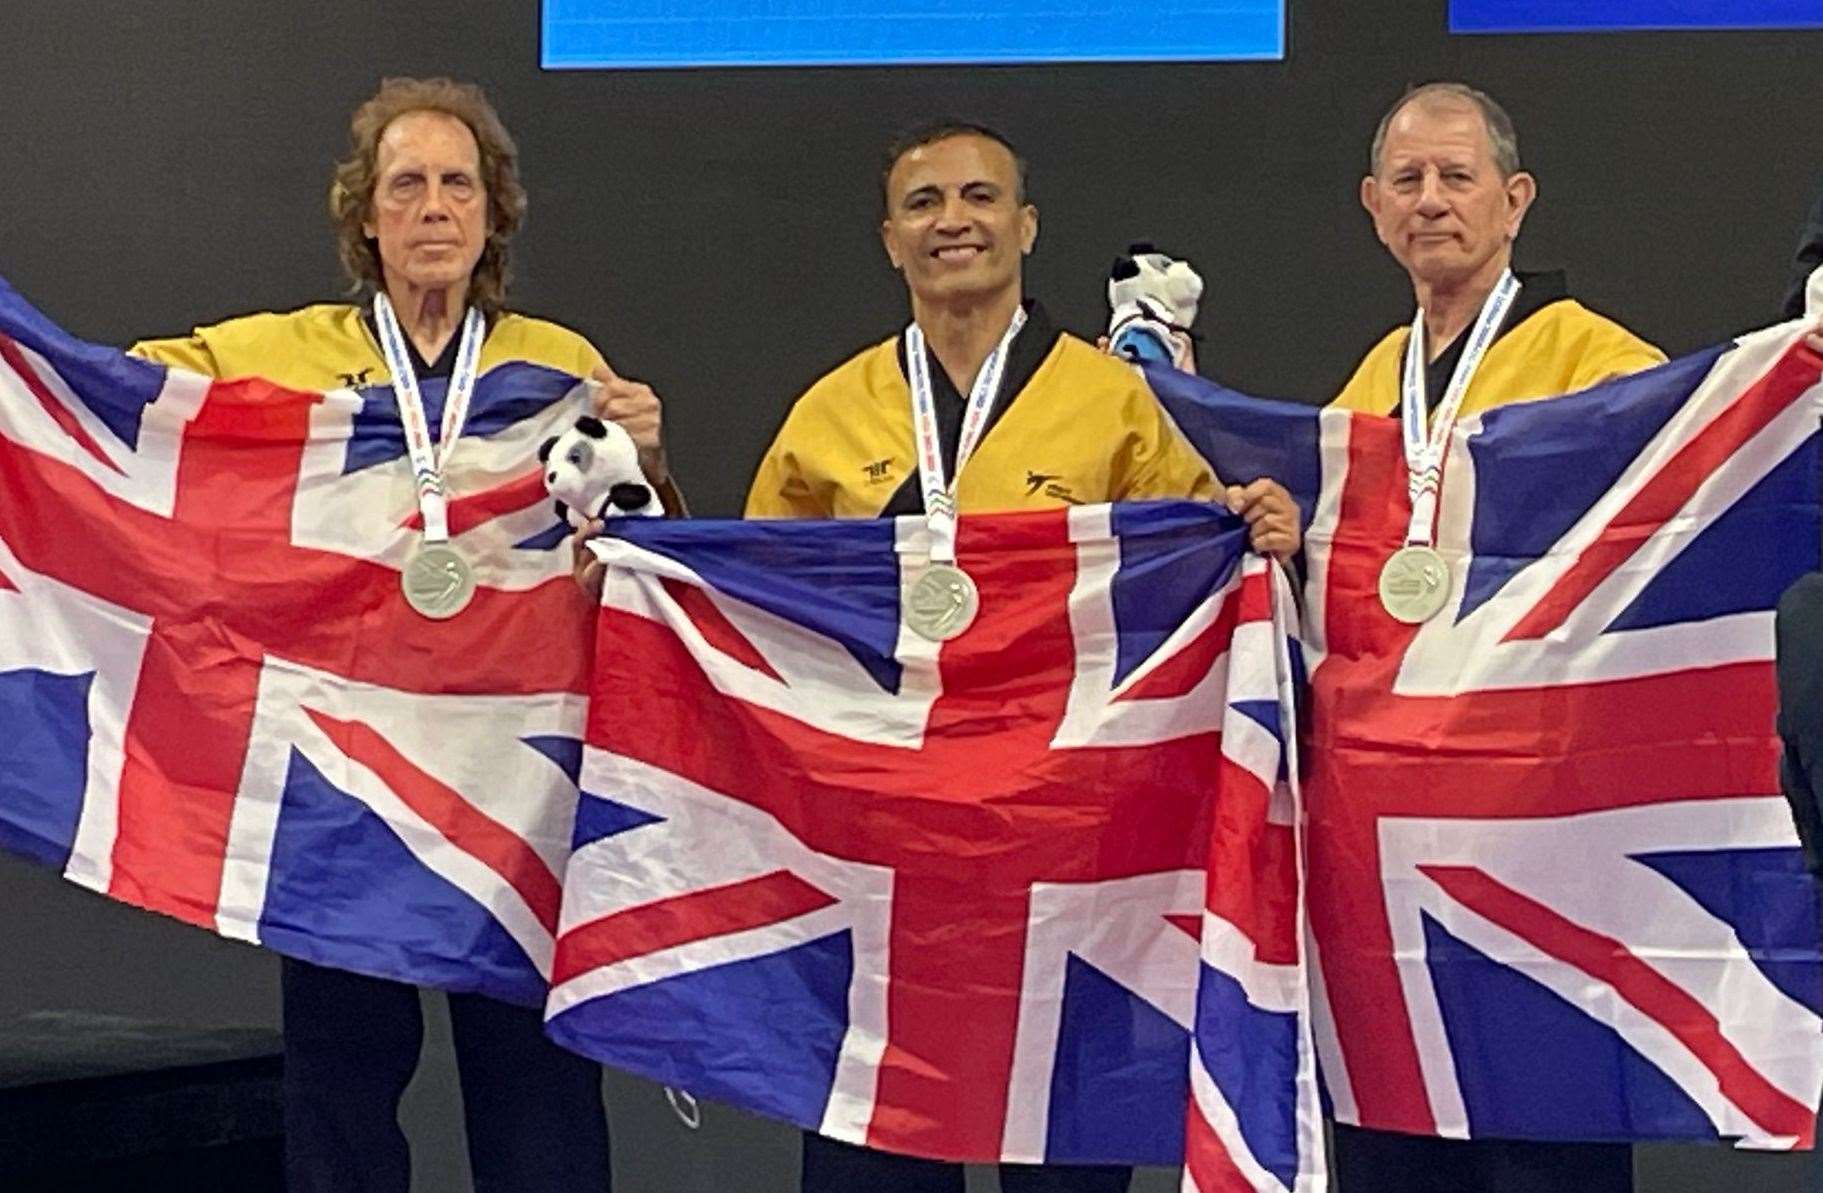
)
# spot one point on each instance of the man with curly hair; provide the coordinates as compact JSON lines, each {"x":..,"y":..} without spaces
{"x":424,"y":207}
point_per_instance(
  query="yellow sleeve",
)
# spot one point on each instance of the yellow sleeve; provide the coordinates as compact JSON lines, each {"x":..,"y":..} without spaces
{"x":191,"y":352}
{"x":542,"y":342}
{"x":1160,"y":461}
{"x":1612,"y":351}
{"x":779,"y":489}
{"x":588,"y":358}
{"x":1373,"y":387}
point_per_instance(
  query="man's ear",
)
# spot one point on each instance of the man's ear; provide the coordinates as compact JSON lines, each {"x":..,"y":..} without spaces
{"x":886,"y":242}
{"x":1028,"y":229}
{"x":1370,"y":200}
{"x":1522,"y":191}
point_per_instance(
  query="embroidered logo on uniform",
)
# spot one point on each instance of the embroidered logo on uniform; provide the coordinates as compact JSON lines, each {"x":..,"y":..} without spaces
{"x":351,"y":380}
{"x":1036,"y":480}
{"x":1047,"y":482}
{"x":878,"y":471}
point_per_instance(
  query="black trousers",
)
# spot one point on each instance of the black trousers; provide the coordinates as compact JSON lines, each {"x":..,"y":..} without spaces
{"x":1384,"y":1162}
{"x":834,"y":1167}
{"x":533,"y":1111}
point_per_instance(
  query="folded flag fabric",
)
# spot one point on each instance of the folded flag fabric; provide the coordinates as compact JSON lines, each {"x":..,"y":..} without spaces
{"x":1554,"y":892}
{"x":1255,"y":1120}
{"x":947,"y":900}
{"x":215,"y":702}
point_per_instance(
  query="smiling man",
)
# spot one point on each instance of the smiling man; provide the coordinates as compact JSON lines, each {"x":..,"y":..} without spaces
{"x":1448,"y":197}
{"x":1065,"y":424}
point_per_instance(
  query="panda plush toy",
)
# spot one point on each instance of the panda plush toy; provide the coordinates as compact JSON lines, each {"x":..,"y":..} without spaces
{"x":1152,"y":301}
{"x":592,"y":470}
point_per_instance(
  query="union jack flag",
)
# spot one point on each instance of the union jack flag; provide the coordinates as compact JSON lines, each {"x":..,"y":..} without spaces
{"x":214,"y":701}
{"x":1554,"y":892}
{"x":947,"y":901}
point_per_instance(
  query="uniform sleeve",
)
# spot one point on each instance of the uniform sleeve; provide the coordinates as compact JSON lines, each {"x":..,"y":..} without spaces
{"x":1366,"y":387}
{"x":1353,"y":395}
{"x":1795,"y":634}
{"x":190,"y":352}
{"x":588,"y":358}
{"x":1161,"y":463}
{"x":542,"y":342}
{"x":1807,"y":258}
{"x":779,"y":488}
{"x":1612,"y":351}
{"x":1794,"y":780}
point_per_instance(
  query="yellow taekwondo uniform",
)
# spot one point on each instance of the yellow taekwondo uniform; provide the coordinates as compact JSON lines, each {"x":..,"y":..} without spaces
{"x":1071,"y":426}
{"x":1550,"y":344}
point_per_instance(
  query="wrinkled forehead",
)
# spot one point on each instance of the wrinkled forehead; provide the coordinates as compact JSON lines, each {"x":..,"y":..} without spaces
{"x":952,"y":162}
{"x":427,"y":138}
{"x":1437,"y":126}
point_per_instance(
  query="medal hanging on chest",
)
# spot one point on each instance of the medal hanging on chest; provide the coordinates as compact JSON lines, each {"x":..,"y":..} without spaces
{"x":1415,"y":582}
{"x":437,"y":581}
{"x":942,"y":601}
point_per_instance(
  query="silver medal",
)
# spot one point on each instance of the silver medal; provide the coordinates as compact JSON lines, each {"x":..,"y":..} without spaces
{"x":1414,"y":584}
{"x":438,"y":582}
{"x":941,"y":603}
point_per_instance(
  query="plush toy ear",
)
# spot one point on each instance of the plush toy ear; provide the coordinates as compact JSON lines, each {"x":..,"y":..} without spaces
{"x":592,"y":427}
{"x":629,"y":496}
{"x":1123,"y":268}
{"x":563,"y":511}
{"x":544,"y":449}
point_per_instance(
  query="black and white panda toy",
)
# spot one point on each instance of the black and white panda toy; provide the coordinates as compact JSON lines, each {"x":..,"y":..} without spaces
{"x":592,"y":470}
{"x":1152,"y":301}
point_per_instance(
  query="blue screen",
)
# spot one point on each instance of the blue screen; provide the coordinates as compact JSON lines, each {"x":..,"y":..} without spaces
{"x":667,"y":33}
{"x":1545,"y":16}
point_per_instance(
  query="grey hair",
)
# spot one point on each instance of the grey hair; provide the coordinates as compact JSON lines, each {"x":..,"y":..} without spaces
{"x":1499,"y":125}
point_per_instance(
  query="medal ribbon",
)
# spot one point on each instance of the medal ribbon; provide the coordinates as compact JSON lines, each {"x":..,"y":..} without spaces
{"x":427,"y":458}
{"x":940,"y":491}
{"x":1425,"y":447}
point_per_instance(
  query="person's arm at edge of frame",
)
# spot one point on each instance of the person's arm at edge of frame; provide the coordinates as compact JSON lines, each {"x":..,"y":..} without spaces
{"x":191,"y":352}
{"x":1804,"y":262}
{"x":1798,"y":760}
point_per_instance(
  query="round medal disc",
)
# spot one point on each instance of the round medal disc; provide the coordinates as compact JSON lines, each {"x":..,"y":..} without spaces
{"x":941,"y":603}
{"x":438,"y":582}
{"x":1414,"y":584}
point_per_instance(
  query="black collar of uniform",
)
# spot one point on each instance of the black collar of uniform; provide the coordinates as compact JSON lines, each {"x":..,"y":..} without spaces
{"x":1536,"y":292}
{"x":445,"y":364}
{"x":1030,"y":347}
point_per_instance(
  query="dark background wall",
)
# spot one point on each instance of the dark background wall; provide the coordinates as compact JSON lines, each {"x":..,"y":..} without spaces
{"x":715,"y":233}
